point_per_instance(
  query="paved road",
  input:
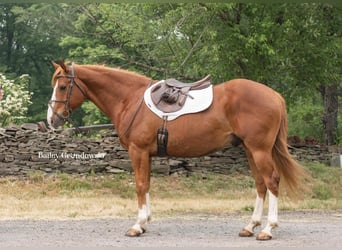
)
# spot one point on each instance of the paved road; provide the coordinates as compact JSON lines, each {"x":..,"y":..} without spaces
{"x":302,"y":228}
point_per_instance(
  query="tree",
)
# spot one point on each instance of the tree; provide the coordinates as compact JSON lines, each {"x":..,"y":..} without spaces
{"x":284,"y":46}
{"x":293,"y":48}
{"x":29,"y":37}
{"x":314,"y":59}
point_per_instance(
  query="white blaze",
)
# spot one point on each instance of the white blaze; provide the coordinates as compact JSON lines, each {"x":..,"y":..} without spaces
{"x":51,"y":106}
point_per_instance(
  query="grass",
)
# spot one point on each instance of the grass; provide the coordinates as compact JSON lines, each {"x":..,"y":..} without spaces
{"x":64,"y":196}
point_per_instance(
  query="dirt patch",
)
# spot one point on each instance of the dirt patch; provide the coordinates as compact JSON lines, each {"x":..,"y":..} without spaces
{"x":300,"y":229}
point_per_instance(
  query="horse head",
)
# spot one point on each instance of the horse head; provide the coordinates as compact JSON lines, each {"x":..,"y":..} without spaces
{"x":65,"y":97}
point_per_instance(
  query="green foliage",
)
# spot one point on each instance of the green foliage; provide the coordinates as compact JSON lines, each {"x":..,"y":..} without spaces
{"x":248,"y":208}
{"x":326,"y":187}
{"x":92,"y":114}
{"x":327,"y":181}
{"x":29,"y":35}
{"x":305,"y":118}
{"x":294,"y":48}
{"x":36,"y":176}
{"x":15,"y":101}
{"x":322,"y":192}
{"x":222,"y":186}
{"x":68,"y":183}
{"x":339,"y":121}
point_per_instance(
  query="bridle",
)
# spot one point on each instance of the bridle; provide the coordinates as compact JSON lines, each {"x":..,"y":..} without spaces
{"x":65,"y":116}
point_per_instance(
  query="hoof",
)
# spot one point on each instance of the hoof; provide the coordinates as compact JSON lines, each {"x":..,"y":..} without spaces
{"x":132,"y":232}
{"x":245,"y":233}
{"x":263,"y":236}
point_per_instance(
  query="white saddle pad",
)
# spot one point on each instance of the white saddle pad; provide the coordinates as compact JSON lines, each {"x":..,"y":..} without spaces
{"x":202,"y":99}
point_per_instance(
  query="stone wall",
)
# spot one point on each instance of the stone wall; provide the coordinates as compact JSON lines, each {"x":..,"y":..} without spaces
{"x":25,"y":149}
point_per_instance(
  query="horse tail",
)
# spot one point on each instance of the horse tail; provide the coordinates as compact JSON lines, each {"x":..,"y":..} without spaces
{"x":292,"y":174}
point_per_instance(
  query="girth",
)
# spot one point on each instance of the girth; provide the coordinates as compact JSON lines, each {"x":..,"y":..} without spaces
{"x":170,"y":96}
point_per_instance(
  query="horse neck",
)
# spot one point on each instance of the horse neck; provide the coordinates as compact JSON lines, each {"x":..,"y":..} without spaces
{"x":113,"y":91}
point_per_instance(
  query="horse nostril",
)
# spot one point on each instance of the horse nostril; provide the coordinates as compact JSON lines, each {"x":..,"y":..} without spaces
{"x":50,"y":122}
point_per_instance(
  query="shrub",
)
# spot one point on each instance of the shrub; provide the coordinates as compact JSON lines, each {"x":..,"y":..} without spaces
{"x":15,"y":101}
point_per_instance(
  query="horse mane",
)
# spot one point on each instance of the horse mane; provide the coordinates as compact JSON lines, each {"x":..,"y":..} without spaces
{"x":115,"y":71}
{"x":99,"y":68}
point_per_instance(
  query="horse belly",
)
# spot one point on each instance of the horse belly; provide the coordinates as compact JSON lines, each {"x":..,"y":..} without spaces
{"x":192,"y":137}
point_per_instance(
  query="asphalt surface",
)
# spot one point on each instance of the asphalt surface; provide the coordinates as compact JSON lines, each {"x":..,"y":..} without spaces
{"x":297,"y":229}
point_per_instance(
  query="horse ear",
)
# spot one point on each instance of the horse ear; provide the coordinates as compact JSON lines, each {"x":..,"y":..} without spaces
{"x":55,"y":64}
{"x":64,"y":67}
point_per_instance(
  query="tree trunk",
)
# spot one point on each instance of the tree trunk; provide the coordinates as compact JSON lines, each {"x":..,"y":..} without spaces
{"x":330,"y":99}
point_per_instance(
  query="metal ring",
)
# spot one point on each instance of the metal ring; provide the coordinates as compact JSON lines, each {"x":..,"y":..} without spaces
{"x":67,"y":112}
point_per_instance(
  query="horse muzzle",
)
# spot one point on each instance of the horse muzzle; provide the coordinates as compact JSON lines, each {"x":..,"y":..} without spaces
{"x":55,"y":119}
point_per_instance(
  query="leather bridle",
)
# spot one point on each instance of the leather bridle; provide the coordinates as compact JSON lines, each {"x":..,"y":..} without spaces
{"x":65,"y":116}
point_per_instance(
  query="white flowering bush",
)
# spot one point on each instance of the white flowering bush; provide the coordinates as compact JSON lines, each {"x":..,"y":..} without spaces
{"x":15,"y":100}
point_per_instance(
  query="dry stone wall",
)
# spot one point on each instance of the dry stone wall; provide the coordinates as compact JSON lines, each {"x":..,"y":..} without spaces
{"x":26,"y":149}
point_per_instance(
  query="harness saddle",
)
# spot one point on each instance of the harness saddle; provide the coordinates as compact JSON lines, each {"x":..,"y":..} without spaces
{"x":170,"y":95}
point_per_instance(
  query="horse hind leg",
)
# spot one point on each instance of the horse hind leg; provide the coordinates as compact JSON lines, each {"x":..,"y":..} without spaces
{"x":248,"y":231}
{"x":266,"y":167}
{"x":266,"y":178}
{"x":272,"y":218}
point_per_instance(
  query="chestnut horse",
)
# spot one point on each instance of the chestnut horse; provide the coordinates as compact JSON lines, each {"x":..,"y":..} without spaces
{"x":242,"y":111}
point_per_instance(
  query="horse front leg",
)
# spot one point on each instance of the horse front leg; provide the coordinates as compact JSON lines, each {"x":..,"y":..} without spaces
{"x":141,"y":162}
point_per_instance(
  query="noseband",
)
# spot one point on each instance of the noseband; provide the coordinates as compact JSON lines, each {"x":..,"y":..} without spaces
{"x":65,"y":116}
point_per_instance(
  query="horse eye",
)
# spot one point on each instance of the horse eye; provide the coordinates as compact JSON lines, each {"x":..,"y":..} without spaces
{"x":62,"y":88}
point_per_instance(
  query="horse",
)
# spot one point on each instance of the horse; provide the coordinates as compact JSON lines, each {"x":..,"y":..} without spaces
{"x":242,"y":111}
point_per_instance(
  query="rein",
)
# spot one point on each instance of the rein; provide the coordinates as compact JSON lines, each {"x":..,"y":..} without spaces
{"x":65,"y":116}
{"x":136,"y":111}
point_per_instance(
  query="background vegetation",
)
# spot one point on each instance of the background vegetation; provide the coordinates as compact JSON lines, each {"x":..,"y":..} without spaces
{"x":293,"y":48}
{"x":14,"y":105}
{"x":89,"y":196}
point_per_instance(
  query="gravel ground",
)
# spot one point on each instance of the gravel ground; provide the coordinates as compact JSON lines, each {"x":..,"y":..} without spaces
{"x":300,"y":229}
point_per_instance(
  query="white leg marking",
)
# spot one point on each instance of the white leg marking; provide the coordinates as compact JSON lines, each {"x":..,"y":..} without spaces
{"x":258,"y":209}
{"x":257,"y":213}
{"x":272,"y":219}
{"x":144,"y":215}
{"x":148,"y":207}
{"x":50,"y":112}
